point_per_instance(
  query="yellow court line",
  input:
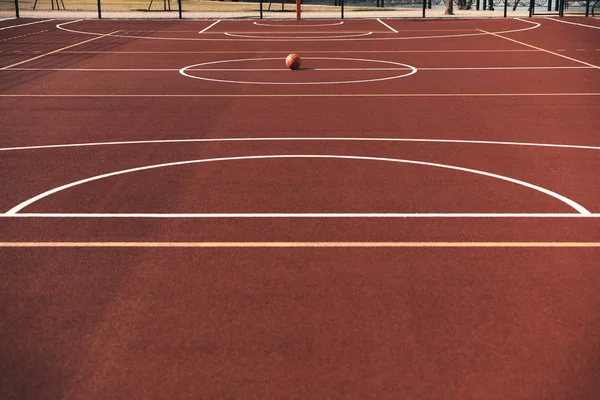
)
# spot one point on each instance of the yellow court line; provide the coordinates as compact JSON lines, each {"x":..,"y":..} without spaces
{"x":540,"y":49}
{"x":301,"y":244}
{"x":57,"y":50}
{"x":383,"y":95}
{"x":22,"y":36}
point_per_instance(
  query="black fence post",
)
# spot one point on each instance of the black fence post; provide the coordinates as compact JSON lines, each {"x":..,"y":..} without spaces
{"x":531,"y":6}
{"x":342,"y":9}
{"x":424,"y":7}
{"x":505,"y":7}
{"x":561,"y":8}
{"x":179,"y":5}
{"x":99,"y":10}
{"x":261,"y":10}
{"x":17,"y":8}
{"x":587,"y":8}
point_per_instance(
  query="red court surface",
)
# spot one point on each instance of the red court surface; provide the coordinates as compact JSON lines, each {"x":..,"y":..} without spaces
{"x":413,"y":214}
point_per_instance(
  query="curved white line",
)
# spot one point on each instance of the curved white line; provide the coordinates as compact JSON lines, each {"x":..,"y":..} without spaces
{"x":579,"y":208}
{"x":299,"y":37}
{"x":291,"y":139}
{"x":183,"y":71}
{"x":299,"y":26}
{"x":535,"y":25}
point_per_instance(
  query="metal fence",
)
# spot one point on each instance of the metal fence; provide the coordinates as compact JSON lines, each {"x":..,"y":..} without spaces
{"x":282,"y":9}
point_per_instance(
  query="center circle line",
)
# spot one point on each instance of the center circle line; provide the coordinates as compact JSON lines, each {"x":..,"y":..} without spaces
{"x":403,"y":67}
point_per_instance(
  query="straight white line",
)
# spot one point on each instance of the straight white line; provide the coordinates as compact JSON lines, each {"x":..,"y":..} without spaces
{"x":203,"y":69}
{"x":56,"y":51}
{"x":303,"y":244}
{"x":539,"y":48}
{"x":287,"y":71}
{"x":297,"y":95}
{"x":299,"y":215}
{"x":311,"y":52}
{"x":502,"y":68}
{"x":298,"y":139}
{"x":210,"y":26}
{"x":30,"y":23}
{"x":387,"y":26}
{"x":574,"y":23}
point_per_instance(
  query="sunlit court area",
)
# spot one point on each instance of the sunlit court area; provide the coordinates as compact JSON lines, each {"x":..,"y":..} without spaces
{"x":299,"y":200}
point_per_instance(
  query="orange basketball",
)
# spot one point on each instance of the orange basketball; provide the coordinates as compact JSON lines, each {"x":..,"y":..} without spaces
{"x":292,"y":61}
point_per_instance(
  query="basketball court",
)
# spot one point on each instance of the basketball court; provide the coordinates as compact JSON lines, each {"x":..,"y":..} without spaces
{"x":413,"y":213}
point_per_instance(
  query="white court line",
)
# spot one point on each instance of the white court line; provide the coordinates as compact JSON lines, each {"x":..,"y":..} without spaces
{"x":304,"y":139}
{"x":535,"y":25}
{"x":287,"y":70}
{"x":387,"y":26}
{"x":298,"y":26}
{"x":503,"y":68}
{"x":30,"y":23}
{"x":210,"y":26}
{"x":292,"y":95}
{"x":184,"y":71}
{"x":299,"y":215}
{"x":297,"y":37}
{"x":302,"y":244}
{"x":577,"y":207}
{"x":574,"y":23}
{"x":56,"y":51}
{"x":539,"y":48}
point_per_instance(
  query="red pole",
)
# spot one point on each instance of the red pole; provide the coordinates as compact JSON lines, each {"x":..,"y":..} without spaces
{"x":298,"y":8}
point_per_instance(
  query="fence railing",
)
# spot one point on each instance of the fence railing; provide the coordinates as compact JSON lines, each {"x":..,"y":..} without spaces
{"x":281,"y":9}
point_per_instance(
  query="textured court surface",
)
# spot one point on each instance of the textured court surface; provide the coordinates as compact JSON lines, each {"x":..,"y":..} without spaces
{"x":412,"y":214}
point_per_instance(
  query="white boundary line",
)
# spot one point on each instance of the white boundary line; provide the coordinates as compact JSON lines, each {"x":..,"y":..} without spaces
{"x":304,"y":139}
{"x":210,"y":26}
{"x":302,"y":244}
{"x":56,"y":51}
{"x":534,"y":26}
{"x":298,"y":215}
{"x":577,"y":207}
{"x":30,"y":23}
{"x":286,"y":70}
{"x":573,"y":23}
{"x":540,"y":48}
{"x":406,"y":67}
{"x":289,"y":95}
{"x":387,"y":26}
